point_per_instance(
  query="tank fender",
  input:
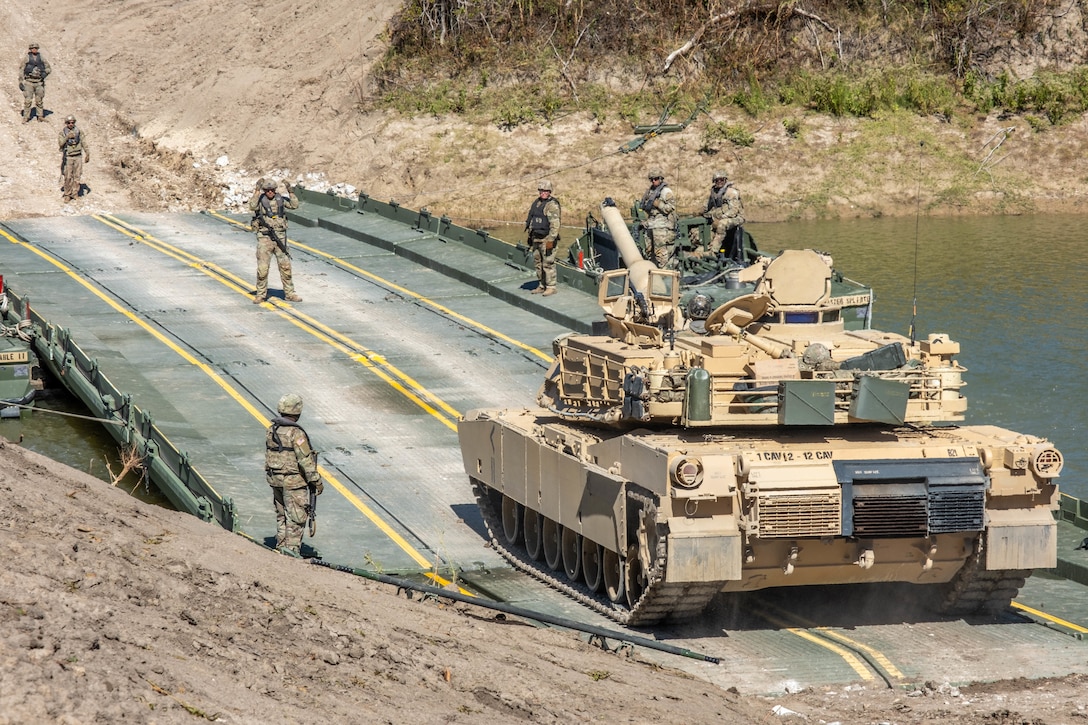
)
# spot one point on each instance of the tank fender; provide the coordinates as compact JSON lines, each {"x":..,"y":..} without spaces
{"x":1021,"y":539}
{"x":704,"y":549}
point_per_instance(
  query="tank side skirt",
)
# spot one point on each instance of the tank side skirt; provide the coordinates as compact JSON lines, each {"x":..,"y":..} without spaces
{"x":661,"y":600}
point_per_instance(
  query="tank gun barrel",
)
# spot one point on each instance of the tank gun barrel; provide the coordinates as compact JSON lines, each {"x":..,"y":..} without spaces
{"x":638,"y":267}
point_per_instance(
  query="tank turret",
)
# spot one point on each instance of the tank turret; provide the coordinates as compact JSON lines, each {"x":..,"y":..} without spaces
{"x":759,"y":441}
{"x":778,"y":355}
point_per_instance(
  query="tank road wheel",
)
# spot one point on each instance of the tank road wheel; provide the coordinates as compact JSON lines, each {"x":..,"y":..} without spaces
{"x":553,"y":539}
{"x":532,"y":526}
{"x":572,"y":554}
{"x":635,"y":577}
{"x":592,"y":564}
{"x":612,"y":568}
{"x":511,"y":520}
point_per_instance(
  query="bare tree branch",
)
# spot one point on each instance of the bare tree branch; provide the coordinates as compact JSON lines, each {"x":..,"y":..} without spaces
{"x":743,"y":9}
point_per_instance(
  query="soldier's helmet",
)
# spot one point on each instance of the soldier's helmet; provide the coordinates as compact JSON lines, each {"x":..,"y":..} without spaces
{"x":700,"y":306}
{"x":32,"y":46}
{"x":720,"y":174}
{"x":269,"y":184}
{"x":69,"y":118}
{"x":655,"y":174}
{"x":290,"y":404}
{"x":544,"y":186}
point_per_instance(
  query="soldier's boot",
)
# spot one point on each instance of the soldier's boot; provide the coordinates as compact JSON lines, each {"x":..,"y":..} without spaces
{"x":292,"y":297}
{"x":549,"y":292}
{"x":539,"y":290}
{"x":288,"y":552}
{"x":258,"y":299}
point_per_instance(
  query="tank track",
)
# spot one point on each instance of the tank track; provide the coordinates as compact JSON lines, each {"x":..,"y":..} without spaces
{"x":975,"y":589}
{"x":659,"y":600}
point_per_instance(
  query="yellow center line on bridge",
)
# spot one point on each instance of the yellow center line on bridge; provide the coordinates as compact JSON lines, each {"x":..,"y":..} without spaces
{"x":1050,"y":618}
{"x":357,"y":352}
{"x":406,"y":292}
{"x":879,"y":657}
{"x":385,"y":528}
{"x":849,"y":657}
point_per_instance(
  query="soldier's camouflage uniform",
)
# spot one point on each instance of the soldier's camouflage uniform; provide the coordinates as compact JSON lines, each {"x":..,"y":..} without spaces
{"x":659,"y":203}
{"x":272,"y":211}
{"x":73,"y":153}
{"x":726,"y":213}
{"x":542,"y":224}
{"x":290,"y":467}
{"x":33,"y":70}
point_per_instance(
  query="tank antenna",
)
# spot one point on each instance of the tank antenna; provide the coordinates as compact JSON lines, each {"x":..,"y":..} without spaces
{"x":917,"y":217}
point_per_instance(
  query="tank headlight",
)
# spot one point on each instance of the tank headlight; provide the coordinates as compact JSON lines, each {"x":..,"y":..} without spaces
{"x":1047,"y":462}
{"x":687,"y":472}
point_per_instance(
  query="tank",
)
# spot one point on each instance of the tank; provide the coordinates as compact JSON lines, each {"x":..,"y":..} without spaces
{"x":683,"y":452}
{"x":20,"y":373}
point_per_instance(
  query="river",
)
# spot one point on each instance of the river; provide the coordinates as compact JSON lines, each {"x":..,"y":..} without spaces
{"x":1008,"y":289}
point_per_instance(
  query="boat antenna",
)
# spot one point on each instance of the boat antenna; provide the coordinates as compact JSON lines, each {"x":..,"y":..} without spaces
{"x":917,"y":217}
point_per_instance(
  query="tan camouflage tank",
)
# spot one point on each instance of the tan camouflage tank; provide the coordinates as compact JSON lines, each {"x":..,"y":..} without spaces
{"x":760,"y":444}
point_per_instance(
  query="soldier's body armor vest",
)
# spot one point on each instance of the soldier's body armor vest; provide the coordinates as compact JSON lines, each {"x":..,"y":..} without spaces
{"x":537,"y":222}
{"x":648,"y":199}
{"x":717,"y":197}
{"x":264,"y":207}
{"x":34,"y":70}
{"x":74,"y":145}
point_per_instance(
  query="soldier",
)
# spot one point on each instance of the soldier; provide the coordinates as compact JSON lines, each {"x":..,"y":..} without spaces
{"x":659,"y":203}
{"x":542,"y":224}
{"x":290,"y":467}
{"x":725,"y":211}
{"x":270,"y":224}
{"x":33,"y":70}
{"x":73,"y":154}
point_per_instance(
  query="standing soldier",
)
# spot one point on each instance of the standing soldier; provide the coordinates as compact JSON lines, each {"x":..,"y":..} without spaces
{"x":542,"y":224}
{"x":659,"y":203}
{"x":73,"y":154}
{"x":726,"y":214}
{"x":290,"y":467}
{"x":270,"y":224}
{"x":33,"y":70}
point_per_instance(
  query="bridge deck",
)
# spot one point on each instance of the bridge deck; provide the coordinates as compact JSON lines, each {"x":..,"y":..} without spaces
{"x":387,"y":350}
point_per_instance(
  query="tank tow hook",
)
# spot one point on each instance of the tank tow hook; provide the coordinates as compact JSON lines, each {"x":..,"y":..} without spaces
{"x":866,"y":557}
{"x":791,"y":559}
{"x":930,"y":554}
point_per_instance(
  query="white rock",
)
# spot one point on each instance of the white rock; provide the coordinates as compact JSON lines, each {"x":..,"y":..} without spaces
{"x":222,"y":161}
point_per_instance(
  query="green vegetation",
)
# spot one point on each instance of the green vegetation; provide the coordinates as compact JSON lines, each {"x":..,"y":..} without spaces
{"x":530,"y":61}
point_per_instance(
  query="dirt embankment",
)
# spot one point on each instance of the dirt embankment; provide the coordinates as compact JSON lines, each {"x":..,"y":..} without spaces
{"x":185,"y":106}
{"x":115,"y":610}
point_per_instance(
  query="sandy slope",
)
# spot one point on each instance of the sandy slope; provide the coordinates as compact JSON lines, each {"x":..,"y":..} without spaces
{"x":277,"y":86}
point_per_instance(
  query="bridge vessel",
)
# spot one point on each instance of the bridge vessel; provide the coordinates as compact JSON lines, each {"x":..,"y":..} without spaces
{"x":20,"y":373}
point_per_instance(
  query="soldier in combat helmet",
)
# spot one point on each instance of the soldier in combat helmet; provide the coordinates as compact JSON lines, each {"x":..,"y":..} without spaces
{"x":33,"y":70}
{"x":73,"y":154}
{"x":270,"y":224}
{"x":659,"y":204}
{"x":542,"y":225}
{"x":290,"y":467}
{"x":725,"y":211}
